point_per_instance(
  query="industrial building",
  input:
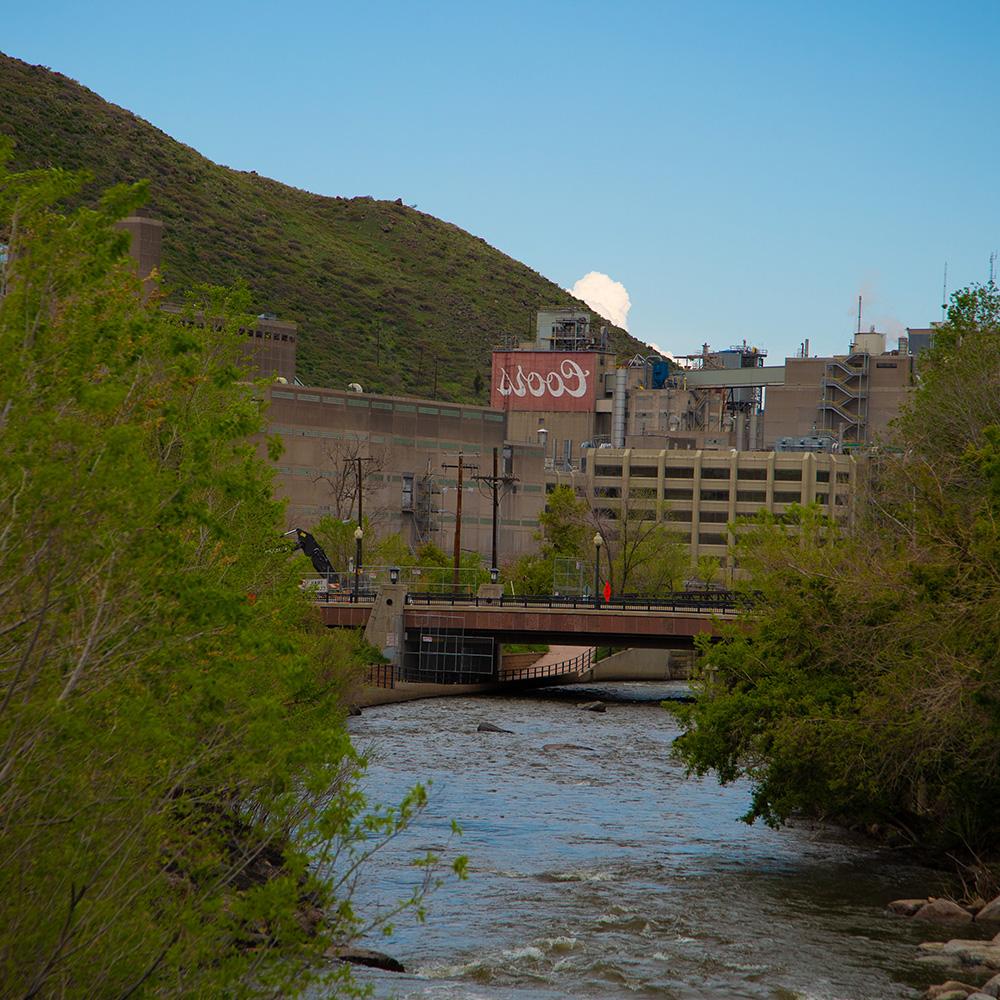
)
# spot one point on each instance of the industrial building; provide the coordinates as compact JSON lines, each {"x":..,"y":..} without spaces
{"x":700,"y":493}
{"x":850,"y":400}
{"x":696,"y":442}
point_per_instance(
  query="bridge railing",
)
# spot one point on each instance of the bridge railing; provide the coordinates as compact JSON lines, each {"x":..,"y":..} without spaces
{"x":345,"y":596}
{"x":704,"y":603}
{"x":575,"y":665}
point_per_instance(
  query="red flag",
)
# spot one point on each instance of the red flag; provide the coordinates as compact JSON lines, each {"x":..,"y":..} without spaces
{"x":607,"y":591}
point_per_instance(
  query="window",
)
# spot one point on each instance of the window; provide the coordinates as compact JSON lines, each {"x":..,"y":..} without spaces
{"x":608,"y":470}
{"x":782,"y":497}
{"x":750,"y":496}
{"x":716,"y":496}
{"x":678,"y":515}
{"x":713,"y":473}
{"x":681,"y":472}
{"x":711,"y":539}
{"x":407,"y":503}
{"x":823,"y":475}
{"x":822,"y":497}
{"x":644,"y":471}
{"x":788,"y":475}
{"x":607,"y":491}
{"x":642,"y":493}
{"x":759,"y":474}
{"x":714,"y":517}
{"x":843,"y":477}
{"x":677,"y":494}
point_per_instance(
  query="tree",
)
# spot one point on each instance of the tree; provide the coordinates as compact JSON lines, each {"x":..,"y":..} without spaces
{"x":865,"y":681}
{"x":178,"y":807}
{"x":640,"y":555}
{"x":708,"y":568}
{"x":643,"y":556}
{"x":564,"y":533}
{"x":341,"y":476}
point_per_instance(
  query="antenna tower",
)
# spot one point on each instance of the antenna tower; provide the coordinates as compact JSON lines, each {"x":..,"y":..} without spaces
{"x":944,"y":293}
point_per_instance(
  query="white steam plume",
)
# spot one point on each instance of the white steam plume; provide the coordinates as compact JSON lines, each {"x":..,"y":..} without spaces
{"x":605,"y":296}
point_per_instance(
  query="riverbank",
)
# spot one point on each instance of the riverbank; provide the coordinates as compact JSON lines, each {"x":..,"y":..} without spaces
{"x":624,"y":666}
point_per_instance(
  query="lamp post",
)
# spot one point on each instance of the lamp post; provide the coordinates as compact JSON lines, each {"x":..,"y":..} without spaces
{"x":358,"y":535}
{"x":393,"y":574}
{"x":494,"y":574}
{"x":598,"y":542}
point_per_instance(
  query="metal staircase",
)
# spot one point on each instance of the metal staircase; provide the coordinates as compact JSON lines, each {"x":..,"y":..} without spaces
{"x":844,"y":402}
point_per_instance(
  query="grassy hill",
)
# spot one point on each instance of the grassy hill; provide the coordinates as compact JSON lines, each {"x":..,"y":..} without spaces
{"x":347,"y":270}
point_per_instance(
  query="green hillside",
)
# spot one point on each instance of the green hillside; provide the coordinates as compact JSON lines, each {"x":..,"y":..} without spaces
{"x":347,"y":270}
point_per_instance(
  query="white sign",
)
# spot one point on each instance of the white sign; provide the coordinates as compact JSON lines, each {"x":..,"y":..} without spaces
{"x":570,"y":380}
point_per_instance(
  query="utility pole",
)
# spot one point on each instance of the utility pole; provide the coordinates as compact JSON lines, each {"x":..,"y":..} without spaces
{"x":458,"y":516}
{"x":499,"y":486}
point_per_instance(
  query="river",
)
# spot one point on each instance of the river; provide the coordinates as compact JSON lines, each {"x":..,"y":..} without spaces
{"x":607,"y":873}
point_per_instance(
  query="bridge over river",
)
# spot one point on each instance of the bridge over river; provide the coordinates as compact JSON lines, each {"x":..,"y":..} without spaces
{"x":455,"y":638}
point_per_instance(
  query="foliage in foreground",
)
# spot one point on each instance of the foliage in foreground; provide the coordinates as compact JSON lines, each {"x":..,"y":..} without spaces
{"x":866,"y":683}
{"x":178,"y":807}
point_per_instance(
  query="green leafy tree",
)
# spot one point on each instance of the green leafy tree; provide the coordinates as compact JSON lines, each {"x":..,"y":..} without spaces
{"x":640,"y":554}
{"x":178,"y":807}
{"x":564,"y":533}
{"x":865,"y":682}
{"x":708,"y":568}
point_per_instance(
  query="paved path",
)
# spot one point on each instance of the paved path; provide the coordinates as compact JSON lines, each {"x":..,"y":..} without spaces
{"x":558,"y":654}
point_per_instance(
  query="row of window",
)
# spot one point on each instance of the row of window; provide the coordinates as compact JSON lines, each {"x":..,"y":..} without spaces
{"x":753,"y":474}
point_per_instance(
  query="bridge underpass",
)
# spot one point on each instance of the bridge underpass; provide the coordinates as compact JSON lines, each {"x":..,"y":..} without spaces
{"x":445,"y":639}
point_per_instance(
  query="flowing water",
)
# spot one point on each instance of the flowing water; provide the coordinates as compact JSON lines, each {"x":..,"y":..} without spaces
{"x":604,"y":872}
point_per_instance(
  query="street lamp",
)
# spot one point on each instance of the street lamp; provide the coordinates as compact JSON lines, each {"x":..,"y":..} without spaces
{"x":598,"y":542}
{"x":358,"y":535}
{"x":393,"y":574}
{"x":494,"y":574}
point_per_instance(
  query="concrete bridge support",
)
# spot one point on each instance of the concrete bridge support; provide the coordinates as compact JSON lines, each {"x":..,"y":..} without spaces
{"x":384,"y":630}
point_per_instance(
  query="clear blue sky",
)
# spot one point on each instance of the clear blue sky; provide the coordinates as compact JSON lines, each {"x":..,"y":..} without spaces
{"x":744,"y":169}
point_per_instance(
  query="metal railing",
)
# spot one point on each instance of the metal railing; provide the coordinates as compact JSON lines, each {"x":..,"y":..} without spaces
{"x":575,"y":665}
{"x":381,"y":675}
{"x":347,"y":597}
{"x":707,"y":602}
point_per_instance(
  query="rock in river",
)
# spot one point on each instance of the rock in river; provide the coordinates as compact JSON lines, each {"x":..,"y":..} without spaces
{"x":366,"y":956}
{"x":906,"y":907}
{"x":593,"y":706}
{"x":488,"y":727}
{"x":952,"y":986}
{"x":943,"y":911}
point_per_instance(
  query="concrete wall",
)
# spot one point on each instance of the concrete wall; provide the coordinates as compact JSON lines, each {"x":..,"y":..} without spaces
{"x":414,"y":438}
{"x":644,"y":665}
